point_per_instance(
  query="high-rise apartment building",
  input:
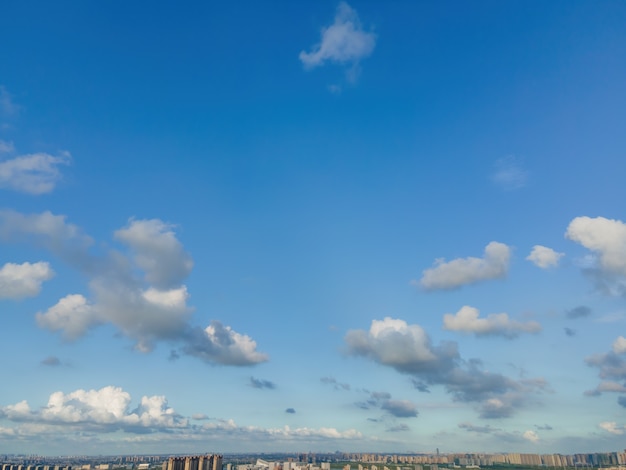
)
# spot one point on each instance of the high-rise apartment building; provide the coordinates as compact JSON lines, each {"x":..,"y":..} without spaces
{"x":196,"y":462}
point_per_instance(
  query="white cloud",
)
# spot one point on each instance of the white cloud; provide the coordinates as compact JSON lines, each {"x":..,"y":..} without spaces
{"x":544,"y":257}
{"x":509,"y":173}
{"x":221,"y":344}
{"x":6,"y":147}
{"x":157,"y":251}
{"x":72,"y":315}
{"x":467,"y":320}
{"x":107,"y":408}
{"x":619,"y":345}
{"x":36,"y":173}
{"x":393,"y":342}
{"x":463,"y":271}
{"x":408,"y":349}
{"x":612,"y":427}
{"x":606,"y":237}
{"x":343,"y":42}
{"x":531,"y":436}
{"x":139,"y":293}
{"x":23,"y":280}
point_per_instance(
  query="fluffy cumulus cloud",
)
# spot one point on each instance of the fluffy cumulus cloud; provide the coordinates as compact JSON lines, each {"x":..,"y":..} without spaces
{"x":343,"y":42}
{"x":463,"y":271}
{"x":220,"y":344}
{"x":509,"y":173}
{"x":544,"y":257}
{"x":606,"y":239}
{"x":409,"y":350}
{"x":105,"y":409}
{"x":157,"y":251}
{"x":467,"y":320}
{"x":23,"y":280}
{"x":138,"y":289}
{"x":72,"y":315}
{"x":36,"y":173}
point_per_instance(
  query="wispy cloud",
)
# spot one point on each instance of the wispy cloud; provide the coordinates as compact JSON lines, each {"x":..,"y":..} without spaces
{"x":336,"y":385}
{"x":36,"y":173}
{"x":509,"y":173}
{"x":612,"y":427}
{"x":344,"y":42}
{"x":6,"y":147}
{"x":261,"y":384}
{"x":51,"y":361}
{"x":8,"y":107}
{"x":578,"y":312}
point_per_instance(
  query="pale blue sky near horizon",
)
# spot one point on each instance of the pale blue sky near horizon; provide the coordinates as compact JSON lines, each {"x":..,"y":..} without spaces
{"x":348,"y":193}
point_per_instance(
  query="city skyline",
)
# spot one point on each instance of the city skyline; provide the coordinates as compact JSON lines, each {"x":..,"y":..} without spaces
{"x":313,"y":226}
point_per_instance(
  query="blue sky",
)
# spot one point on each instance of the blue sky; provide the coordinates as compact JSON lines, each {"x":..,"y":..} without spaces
{"x":303,"y":226}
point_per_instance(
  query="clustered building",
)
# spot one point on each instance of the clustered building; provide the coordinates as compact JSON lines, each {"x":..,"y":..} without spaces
{"x":196,"y":462}
{"x":604,"y":459}
{"x":8,"y":466}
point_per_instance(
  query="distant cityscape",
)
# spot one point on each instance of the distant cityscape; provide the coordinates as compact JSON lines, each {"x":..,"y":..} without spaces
{"x":315,"y":461}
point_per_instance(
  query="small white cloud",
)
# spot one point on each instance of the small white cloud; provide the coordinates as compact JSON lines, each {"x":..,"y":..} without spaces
{"x":544,"y":257}
{"x":619,"y":345}
{"x":531,"y":436}
{"x":37,"y":173}
{"x":221,"y":344}
{"x":605,"y":237}
{"x":463,"y":271}
{"x":23,"y":280}
{"x":509,"y":173}
{"x":612,"y":427}
{"x":343,"y":42}
{"x":72,"y":315}
{"x":467,"y":320}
